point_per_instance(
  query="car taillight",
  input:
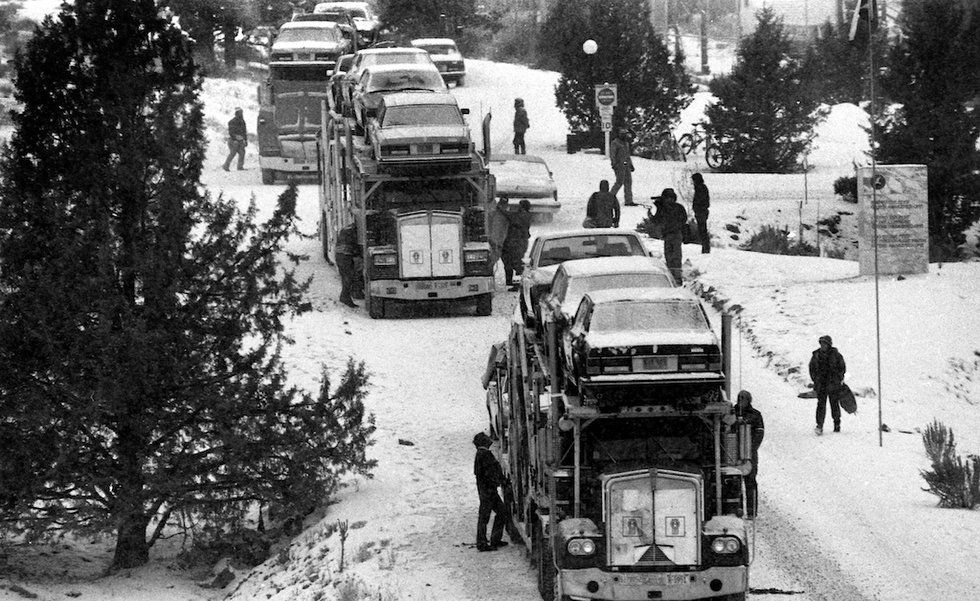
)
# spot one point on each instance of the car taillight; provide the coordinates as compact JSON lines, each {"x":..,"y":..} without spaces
{"x":452,"y":149}
{"x":395,"y":150}
{"x":617,"y":365}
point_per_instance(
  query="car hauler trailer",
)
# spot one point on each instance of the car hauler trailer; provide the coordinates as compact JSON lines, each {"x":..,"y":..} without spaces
{"x":624,"y":492}
{"x":423,"y":235}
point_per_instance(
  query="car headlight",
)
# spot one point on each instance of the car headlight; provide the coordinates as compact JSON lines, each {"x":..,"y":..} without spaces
{"x":725,"y":545}
{"x":385,"y":259}
{"x":476,"y":256}
{"x":581,"y":546}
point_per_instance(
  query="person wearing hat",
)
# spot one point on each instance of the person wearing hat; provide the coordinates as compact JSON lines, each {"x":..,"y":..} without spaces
{"x":518,"y":235}
{"x":700,"y":205}
{"x":827,"y":369}
{"x":498,"y":223}
{"x":672,"y":219}
{"x":521,"y":125}
{"x":237,"y":140}
{"x":603,"y":207}
{"x":622,"y":166}
{"x":747,"y":414}
{"x":488,"y":477}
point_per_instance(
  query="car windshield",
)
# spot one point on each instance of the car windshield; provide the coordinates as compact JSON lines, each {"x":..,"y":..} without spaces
{"x":395,"y":58}
{"x":422,"y":114}
{"x":439,"y":48}
{"x":309,"y":34}
{"x":558,"y":250}
{"x":406,"y":80}
{"x":577,"y":287}
{"x":624,"y":316}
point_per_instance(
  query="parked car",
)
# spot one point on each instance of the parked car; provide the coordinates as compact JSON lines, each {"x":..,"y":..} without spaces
{"x":377,"y":56}
{"x":551,"y":249}
{"x":305,"y":43}
{"x":335,"y":83}
{"x":367,"y":22}
{"x":637,"y":335}
{"x":417,"y":130}
{"x":446,"y":56}
{"x":527,"y":176}
{"x":575,"y":278}
{"x":380,"y":80}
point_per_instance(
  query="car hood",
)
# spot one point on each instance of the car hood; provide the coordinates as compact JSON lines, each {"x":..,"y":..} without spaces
{"x":307,"y":46}
{"x":423,"y":133}
{"x":650,"y":337}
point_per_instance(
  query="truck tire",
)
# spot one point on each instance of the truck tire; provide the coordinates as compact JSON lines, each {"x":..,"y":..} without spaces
{"x":547,"y":572}
{"x":376,"y":307}
{"x":484,"y":304}
{"x":268,"y":176}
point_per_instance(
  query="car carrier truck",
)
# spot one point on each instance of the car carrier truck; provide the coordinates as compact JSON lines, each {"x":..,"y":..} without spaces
{"x":623,"y":492}
{"x":423,"y":234}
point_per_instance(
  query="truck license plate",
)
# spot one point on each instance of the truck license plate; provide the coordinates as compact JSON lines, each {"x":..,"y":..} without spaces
{"x":653,"y":579}
{"x":431,"y":285}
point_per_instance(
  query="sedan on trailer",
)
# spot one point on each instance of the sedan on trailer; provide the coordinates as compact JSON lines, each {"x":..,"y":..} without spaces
{"x":367,"y":22}
{"x":380,"y":80}
{"x":521,"y":176}
{"x":302,"y":43}
{"x":418,"y":131}
{"x":636,"y":335}
{"x":446,"y":56}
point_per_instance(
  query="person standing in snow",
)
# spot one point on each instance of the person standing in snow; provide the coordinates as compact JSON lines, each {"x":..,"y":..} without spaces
{"x":603,"y":207}
{"x":518,"y":234}
{"x":346,"y":250}
{"x":489,"y":476}
{"x":498,"y":224}
{"x":747,"y":414}
{"x":827,"y":369}
{"x":672,"y":218}
{"x":521,"y":125}
{"x":700,"y":206}
{"x":622,"y":166}
{"x":237,"y":140}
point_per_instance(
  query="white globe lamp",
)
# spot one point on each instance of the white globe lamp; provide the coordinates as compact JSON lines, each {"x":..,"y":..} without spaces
{"x":590,"y":47}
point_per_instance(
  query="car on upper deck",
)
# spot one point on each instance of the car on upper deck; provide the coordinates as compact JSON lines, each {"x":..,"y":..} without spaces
{"x":339,"y":16}
{"x":526,"y":176}
{"x":418,"y":131}
{"x":447,"y":57}
{"x":551,"y":249}
{"x":638,"y":336}
{"x":301,"y":44}
{"x":380,"y":80}
{"x":365,"y":19}
{"x":368,"y":57}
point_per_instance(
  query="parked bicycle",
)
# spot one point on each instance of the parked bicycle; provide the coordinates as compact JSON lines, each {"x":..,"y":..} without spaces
{"x":714,"y":154}
{"x":666,"y":148}
{"x":691,"y":140}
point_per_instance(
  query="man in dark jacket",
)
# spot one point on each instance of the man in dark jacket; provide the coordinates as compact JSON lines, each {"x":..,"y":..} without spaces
{"x":518,"y":234}
{"x":622,"y":166}
{"x":748,"y":414}
{"x":700,"y":206}
{"x":346,"y":250}
{"x":827,"y":369}
{"x":673,"y":219}
{"x":603,"y":208}
{"x":237,"y":140}
{"x":521,"y":125}
{"x":488,"y":477}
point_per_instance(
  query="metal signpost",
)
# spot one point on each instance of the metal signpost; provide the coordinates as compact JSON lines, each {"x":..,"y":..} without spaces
{"x":606,"y":98}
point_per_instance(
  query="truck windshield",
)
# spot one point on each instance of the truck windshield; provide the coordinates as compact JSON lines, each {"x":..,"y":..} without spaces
{"x":620,"y":445}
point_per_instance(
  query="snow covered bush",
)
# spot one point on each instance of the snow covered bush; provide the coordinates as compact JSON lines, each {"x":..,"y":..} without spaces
{"x":778,"y":241}
{"x":846,"y":188}
{"x":954,"y":480}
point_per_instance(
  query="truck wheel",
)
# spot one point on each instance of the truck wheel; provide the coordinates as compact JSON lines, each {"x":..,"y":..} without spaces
{"x":484,"y":304}
{"x":268,"y":176}
{"x":376,"y":307}
{"x":547,"y":573}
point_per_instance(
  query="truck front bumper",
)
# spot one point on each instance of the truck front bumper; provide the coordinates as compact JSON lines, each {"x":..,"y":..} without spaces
{"x":640,"y":586}
{"x":434,"y":289}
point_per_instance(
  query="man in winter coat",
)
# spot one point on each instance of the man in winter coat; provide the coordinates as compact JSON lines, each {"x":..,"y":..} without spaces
{"x":488,"y":477}
{"x":622,"y":166}
{"x":673,"y":219}
{"x":497,"y":225}
{"x":700,"y":206}
{"x":237,"y":140}
{"x":518,"y":233}
{"x":827,"y":369}
{"x":603,"y":207}
{"x":748,"y":414}
{"x":346,"y":250}
{"x":521,"y":125}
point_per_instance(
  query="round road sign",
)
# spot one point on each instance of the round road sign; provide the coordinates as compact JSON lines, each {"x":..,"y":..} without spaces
{"x":606,"y":96}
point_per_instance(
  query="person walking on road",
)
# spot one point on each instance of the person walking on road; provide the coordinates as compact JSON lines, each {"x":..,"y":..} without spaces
{"x":346,"y":250}
{"x":672,"y":218}
{"x":622,"y":166}
{"x":498,"y":224}
{"x":518,"y":234}
{"x":489,"y":477}
{"x":702,"y":201}
{"x":827,"y":369}
{"x":237,"y":140}
{"x":521,"y":125}
{"x":603,"y":207}
{"x":747,"y":414}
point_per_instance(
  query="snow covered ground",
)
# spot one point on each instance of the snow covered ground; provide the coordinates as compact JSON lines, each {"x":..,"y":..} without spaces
{"x":842,"y":518}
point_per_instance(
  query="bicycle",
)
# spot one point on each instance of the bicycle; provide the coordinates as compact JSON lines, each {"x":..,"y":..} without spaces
{"x":691,"y":140}
{"x":716,"y":156}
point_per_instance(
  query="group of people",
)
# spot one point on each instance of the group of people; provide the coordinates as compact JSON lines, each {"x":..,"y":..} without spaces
{"x":508,"y":233}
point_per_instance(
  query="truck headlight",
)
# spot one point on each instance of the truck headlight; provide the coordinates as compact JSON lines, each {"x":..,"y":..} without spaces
{"x":725,"y":545}
{"x":386,"y":259}
{"x":581,"y":546}
{"x":476,"y":256}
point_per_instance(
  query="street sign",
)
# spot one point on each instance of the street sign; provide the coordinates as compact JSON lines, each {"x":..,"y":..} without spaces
{"x":607,"y":125}
{"x":606,"y":95}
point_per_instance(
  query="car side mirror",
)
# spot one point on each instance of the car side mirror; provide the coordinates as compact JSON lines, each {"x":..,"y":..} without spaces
{"x":465,"y":111}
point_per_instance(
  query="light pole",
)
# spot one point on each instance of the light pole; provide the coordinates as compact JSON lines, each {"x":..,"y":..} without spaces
{"x":590,"y":47}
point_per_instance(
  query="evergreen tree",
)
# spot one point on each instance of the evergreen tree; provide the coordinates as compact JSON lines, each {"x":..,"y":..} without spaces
{"x":929,"y":88}
{"x":652,"y":88}
{"x":837,"y":68}
{"x":428,"y":18}
{"x":141,"y":320}
{"x":763,"y":115}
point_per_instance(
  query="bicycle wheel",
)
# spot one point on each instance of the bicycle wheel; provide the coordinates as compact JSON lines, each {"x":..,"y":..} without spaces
{"x":715,"y":157}
{"x":686,"y":143}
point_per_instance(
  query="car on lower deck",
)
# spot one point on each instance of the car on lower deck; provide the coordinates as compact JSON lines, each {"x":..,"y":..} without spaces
{"x":526,"y":176}
{"x":420,"y":131}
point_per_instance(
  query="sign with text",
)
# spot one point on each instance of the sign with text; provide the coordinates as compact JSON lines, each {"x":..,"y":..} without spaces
{"x":894,"y":202}
{"x":606,"y":95}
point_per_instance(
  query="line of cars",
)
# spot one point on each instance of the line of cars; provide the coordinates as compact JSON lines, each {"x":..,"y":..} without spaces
{"x":620,"y":316}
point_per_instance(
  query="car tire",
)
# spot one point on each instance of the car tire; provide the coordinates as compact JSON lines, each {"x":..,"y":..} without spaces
{"x":268,"y":177}
{"x":484,"y":304}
